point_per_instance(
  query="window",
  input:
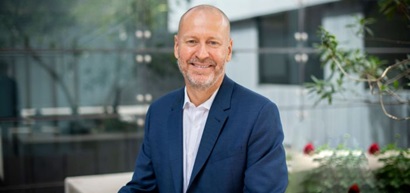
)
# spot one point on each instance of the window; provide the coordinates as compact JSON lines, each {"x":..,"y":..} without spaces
{"x":277,"y":64}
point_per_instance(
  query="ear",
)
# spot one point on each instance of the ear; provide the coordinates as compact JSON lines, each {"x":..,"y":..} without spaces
{"x":176,"y":46}
{"x":230,"y":44}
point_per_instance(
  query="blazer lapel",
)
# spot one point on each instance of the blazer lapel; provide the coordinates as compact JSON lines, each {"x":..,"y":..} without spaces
{"x":216,"y":119}
{"x":175,"y":141}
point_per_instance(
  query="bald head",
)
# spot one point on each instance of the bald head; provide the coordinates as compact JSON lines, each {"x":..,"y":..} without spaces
{"x":202,"y":47}
{"x":208,"y":9}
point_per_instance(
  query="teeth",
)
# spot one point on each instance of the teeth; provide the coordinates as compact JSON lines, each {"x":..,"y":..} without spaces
{"x":198,"y":66}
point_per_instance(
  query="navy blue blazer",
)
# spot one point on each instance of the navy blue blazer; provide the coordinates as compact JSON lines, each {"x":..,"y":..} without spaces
{"x":241,"y":148}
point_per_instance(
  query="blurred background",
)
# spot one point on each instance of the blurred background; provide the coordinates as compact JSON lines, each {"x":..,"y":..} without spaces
{"x":76,"y":78}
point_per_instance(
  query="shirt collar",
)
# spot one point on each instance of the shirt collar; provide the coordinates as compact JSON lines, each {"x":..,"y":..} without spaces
{"x":207,"y":104}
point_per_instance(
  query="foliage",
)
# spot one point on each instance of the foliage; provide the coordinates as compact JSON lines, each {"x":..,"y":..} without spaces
{"x":392,"y":7}
{"x":394,"y":176}
{"x":354,"y":65}
{"x":344,"y":169}
{"x":337,"y":173}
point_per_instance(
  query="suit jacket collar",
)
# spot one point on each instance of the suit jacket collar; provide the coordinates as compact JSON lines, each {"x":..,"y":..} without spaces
{"x":217,"y":116}
{"x":175,"y":140}
{"x":213,"y":127}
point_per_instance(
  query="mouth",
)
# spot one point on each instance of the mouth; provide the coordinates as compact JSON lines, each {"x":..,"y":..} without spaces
{"x":205,"y":64}
{"x":201,"y":66}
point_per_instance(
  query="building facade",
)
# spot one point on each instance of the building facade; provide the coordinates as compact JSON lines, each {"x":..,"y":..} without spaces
{"x":274,"y":54}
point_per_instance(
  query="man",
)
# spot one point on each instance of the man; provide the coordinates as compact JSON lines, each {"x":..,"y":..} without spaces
{"x":213,"y":136}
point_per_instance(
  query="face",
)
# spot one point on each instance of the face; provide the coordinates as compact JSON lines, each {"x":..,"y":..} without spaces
{"x":202,"y":47}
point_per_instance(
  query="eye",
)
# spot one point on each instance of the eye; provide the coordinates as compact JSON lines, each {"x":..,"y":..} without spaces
{"x":214,"y":43}
{"x":191,"y":42}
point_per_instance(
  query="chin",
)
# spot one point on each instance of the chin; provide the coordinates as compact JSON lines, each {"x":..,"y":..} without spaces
{"x":201,"y":83}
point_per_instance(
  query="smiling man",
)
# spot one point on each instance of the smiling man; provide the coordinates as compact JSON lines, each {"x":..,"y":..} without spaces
{"x":213,"y":135}
{"x":202,"y":47}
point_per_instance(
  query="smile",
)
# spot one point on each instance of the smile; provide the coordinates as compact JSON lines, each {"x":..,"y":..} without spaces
{"x":201,"y":66}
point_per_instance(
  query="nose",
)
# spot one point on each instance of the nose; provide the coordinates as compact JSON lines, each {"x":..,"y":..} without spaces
{"x":202,"y":52}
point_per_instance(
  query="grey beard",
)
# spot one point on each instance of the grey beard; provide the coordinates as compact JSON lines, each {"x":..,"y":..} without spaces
{"x":194,"y":83}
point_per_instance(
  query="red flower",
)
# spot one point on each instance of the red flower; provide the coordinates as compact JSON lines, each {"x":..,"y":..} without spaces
{"x":374,"y":149}
{"x":354,"y":189}
{"x":309,"y":149}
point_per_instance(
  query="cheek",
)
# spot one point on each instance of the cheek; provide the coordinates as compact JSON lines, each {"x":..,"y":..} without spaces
{"x":222,"y":58}
{"x":185,"y":53}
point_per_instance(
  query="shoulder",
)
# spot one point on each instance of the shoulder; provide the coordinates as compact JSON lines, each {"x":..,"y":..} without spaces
{"x":238,"y":98}
{"x":246,"y":96}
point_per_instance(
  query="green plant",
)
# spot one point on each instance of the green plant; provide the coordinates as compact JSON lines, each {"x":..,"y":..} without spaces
{"x":383,"y":78}
{"x":336,"y":173}
{"x":394,"y":176}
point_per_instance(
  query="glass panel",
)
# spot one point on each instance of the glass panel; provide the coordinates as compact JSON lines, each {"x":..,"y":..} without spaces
{"x":278,"y":68}
{"x":279,"y":47}
{"x":76,"y":79}
{"x":284,"y":69}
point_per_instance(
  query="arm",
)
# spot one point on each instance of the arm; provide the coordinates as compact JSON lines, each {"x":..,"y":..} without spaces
{"x":143,"y":179}
{"x":266,"y":161}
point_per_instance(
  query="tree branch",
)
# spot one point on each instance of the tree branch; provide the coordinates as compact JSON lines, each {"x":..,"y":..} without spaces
{"x":387,"y":113}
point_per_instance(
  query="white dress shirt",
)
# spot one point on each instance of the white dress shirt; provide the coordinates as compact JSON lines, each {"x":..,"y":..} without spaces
{"x":194,"y":120}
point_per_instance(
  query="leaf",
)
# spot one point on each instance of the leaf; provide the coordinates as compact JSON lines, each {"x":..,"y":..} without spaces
{"x":382,"y":87}
{"x":350,"y":25}
{"x":396,"y":84}
{"x":369,"y":31}
{"x":329,"y":99}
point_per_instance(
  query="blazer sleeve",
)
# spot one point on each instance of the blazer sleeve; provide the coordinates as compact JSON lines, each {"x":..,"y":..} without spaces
{"x":143,"y":179}
{"x":266,"y":169}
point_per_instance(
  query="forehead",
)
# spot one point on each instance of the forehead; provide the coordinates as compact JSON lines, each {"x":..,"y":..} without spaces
{"x":204,"y":21}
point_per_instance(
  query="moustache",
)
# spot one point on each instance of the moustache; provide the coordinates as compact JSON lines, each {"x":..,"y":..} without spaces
{"x":207,"y":61}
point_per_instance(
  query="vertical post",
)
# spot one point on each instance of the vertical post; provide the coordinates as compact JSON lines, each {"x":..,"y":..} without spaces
{"x":301,"y":57}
